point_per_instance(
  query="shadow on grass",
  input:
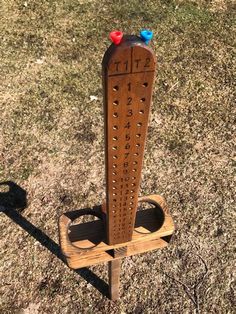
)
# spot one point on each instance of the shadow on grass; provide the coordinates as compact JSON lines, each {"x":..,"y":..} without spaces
{"x":12,"y":202}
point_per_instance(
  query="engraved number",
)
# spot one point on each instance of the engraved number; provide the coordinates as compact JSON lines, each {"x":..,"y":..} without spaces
{"x":147,"y":63}
{"x":130,"y":113}
{"x":129,"y":100}
{"x":127,"y":125}
{"x":117,"y":65}
{"x":137,"y":62}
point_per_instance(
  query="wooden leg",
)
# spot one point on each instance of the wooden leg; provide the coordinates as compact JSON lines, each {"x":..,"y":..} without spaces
{"x":114,"y":278}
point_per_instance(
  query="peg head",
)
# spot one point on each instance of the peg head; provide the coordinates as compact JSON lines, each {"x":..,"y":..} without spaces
{"x":116,"y":37}
{"x":146,"y":35}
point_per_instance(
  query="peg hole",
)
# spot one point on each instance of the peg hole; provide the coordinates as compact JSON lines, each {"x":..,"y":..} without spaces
{"x":116,"y":102}
{"x":137,"y":145}
{"x":115,"y":157}
{"x":115,"y":88}
{"x":142,"y":99}
{"x":115,"y":127}
{"x":141,"y":111}
{"x":114,"y":147}
{"x":145,"y":84}
{"x":115,"y":138}
{"x":115,"y":114}
{"x":139,"y":124}
{"x":138,"y":135}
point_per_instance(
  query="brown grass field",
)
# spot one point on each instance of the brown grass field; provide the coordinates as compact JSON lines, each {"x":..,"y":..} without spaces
{"x":51,"y":151}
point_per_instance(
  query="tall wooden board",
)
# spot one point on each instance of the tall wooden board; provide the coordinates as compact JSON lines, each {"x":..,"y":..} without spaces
{"x":128,"y":75}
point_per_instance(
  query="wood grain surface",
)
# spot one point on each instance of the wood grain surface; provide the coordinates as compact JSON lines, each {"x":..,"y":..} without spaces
{"x":128,"y":75}
{"x":79,"y":243}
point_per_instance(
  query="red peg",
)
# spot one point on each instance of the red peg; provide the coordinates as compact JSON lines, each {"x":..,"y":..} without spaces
{"x":116,"y":37}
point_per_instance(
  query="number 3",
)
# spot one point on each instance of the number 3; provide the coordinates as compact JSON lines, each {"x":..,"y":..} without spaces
{"x":130,"y":113}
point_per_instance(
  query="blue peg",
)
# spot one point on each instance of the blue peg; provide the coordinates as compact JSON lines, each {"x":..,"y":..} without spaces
{"x":146,"y":35}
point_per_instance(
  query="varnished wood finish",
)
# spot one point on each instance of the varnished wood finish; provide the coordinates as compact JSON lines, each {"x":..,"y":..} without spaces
{"x":82,"y":250}
{"x":121,"y":231}
{"x":128,"y":74}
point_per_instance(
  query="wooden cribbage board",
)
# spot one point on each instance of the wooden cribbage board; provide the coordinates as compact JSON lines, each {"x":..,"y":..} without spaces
{"x":121,"y":231}
{"x":128,"y":75}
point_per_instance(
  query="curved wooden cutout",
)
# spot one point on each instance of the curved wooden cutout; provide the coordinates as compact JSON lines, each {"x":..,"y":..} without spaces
{"x":142,"y":240}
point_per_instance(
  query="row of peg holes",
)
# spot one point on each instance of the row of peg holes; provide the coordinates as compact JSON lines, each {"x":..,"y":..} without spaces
{"x":115,"y":127}
{"x":135,"y":154}
{"x":115,"y":138}
{"x":116,"y":102}
{"x":115,"y":114}
{"x":116,"y":87}
{"x":115,"y":157}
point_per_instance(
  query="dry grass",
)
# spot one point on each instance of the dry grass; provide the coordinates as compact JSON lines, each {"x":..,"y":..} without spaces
{"x":51,"y":144}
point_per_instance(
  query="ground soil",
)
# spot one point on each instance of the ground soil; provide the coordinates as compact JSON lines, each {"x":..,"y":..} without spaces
{"x":51,"y":153}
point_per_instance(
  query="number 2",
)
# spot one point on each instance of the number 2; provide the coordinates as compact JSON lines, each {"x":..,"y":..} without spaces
{"x":129,"y":101}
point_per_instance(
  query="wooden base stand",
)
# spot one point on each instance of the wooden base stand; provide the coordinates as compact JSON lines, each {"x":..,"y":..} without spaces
{"x":122,"y":229}
{"x":114,"y":278}
{"x":85,"y":244}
